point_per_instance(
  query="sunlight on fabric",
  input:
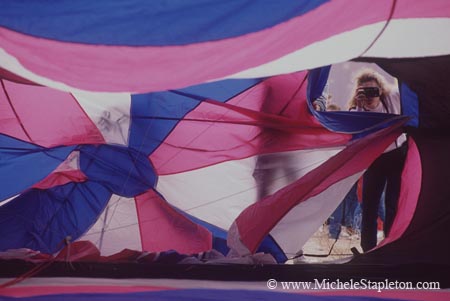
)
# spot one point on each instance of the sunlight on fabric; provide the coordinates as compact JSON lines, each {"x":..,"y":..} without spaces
{"x":218,"y":193}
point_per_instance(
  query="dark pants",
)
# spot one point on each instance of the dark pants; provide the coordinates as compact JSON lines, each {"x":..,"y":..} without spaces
{"x":347,"y":208}
{"x":385,"y":171}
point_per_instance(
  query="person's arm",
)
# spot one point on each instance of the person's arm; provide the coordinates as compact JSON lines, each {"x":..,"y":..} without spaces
{"x":320,"y":103}
{"x":394,"y":102}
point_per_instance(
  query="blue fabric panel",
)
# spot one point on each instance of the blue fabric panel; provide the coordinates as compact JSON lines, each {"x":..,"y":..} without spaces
{"x":41,"y":219}
{"x":124,"y":171}
{"x":317,"y":80}
{"x":221,"y":91}
{"x":263,"y":294}
{"x":23,"y":164}
{"x":269,"y":245}
{"x":142,"y":22}
{"x":154,"y":115}
{"x":410,"y":104}
{"x":353,"y":122}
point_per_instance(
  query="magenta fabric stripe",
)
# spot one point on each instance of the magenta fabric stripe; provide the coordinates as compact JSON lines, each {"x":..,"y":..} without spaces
{"x":270,"y":117}
{"x":49,"y":117}
{"x":421,"y":9}
{"x":409,"y":194}
{"x":11,"y":124}
{"x":256,"y":221}
{"x":163,"y":228}
{"x":139,"y":69}
{"x":26,"y":291}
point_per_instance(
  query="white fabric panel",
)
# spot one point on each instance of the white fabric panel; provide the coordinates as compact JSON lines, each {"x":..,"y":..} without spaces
{"x":338,"y":48}
{"x":110,"y":112}
{"x":217,"y":194}
{"x":413,"y":38}
{"x":292,"y":232}
{"x":117,"y":227}
{"x":401,"y":38}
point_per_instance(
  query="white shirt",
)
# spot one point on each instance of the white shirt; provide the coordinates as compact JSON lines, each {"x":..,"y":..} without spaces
{"x":392,"y":105}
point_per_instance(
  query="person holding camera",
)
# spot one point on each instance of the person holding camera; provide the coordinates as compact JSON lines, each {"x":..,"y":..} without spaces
{"x":373,"y":94}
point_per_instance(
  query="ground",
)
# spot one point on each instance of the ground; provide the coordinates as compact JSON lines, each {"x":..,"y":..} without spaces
{"x":321,"y":244}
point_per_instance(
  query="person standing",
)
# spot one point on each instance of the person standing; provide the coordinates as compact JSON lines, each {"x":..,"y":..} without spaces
{"x":373,"y":94}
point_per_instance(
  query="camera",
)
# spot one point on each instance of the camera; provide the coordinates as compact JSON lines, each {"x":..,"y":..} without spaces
{"x":369,"y":92}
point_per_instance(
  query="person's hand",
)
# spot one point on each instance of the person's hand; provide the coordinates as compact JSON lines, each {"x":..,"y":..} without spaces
{"x":359,"y":99}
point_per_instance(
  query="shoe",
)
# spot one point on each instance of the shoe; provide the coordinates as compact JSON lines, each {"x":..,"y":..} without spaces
{"x":380,"y":234}
{"x":346,"y":232}
{"x":351,"y":231}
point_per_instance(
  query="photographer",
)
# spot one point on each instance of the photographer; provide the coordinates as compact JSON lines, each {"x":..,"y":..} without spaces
{"x":372,"y":94}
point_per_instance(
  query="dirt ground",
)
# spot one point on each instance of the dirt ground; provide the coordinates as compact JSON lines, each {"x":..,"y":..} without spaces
{"x":321,"y":244}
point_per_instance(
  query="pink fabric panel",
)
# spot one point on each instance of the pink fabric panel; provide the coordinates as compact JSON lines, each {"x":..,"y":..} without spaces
{"x":270,"y":117}
{"x":143,"y":69}
{"x":45,"y":116}
{"x":163,"y":228}
{"x":79,"y":251}
{"x":27,"y":291}
{"x":256,"y":221}
{"x":10,"y":125}
{"x":421,"y":9}
{"x":61,"y":178}
{"x":409,"y":194}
